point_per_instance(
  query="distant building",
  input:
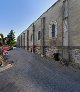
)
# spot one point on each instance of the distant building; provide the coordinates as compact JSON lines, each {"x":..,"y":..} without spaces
{"x":55,"y":31}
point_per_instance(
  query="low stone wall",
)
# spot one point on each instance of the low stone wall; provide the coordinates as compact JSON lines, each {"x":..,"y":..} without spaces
{"x":50,"y":51}
{"x":75,"y":55}
{"x":38,"y":50}
{"x":30,"y":48}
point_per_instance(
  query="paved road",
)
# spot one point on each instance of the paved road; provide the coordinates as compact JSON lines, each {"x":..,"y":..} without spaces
{"x":31,"y":73}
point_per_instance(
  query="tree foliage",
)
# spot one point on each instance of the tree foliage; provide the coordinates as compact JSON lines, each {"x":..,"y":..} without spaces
{"x":11,"y":38}
{"x":1,"y":39}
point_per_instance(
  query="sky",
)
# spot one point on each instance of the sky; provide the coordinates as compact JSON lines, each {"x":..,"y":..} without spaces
{"x":17,"y":15}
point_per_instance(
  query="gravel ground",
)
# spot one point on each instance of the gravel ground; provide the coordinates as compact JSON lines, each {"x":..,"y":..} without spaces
{"x":31,"y":73}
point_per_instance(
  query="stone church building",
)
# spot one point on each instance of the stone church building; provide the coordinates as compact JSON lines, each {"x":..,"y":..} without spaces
{"x":56,"y":31}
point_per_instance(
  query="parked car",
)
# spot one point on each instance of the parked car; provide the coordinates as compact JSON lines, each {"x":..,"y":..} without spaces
{"x":11,"y":48}
{"x":6,"y":47}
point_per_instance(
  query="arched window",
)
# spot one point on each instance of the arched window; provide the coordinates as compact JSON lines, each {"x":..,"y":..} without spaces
{"x":53,"y":30}
{"x":39,"y":35}
{"x":31,"y":37}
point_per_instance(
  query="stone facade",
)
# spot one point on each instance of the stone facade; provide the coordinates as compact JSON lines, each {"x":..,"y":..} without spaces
{"x":74,"y":30}
{"x":75,"y":55}
{"x":55,"y":31}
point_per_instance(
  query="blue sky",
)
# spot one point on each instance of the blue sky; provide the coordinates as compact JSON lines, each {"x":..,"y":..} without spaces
{"x":19,"y":14}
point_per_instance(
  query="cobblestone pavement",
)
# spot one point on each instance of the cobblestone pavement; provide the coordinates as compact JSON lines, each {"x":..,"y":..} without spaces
{"x":31,"y":73}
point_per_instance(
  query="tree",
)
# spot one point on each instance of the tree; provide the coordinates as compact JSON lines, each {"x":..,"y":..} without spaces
{"x":11,"y":38}
{"x":1,"y":39}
